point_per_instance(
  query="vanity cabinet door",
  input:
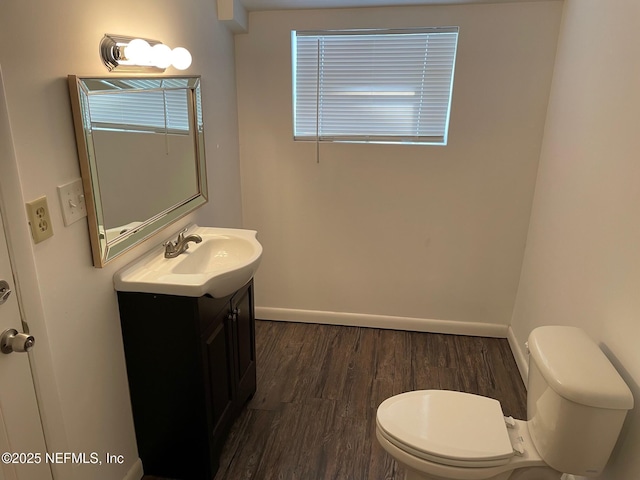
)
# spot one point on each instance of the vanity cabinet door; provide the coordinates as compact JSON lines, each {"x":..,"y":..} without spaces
{"x":218,"y":355}
{"x":217,"y":358}
{"x":245,"y":344}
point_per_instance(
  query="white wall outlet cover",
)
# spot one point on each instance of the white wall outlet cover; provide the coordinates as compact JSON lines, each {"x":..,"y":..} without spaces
{"x":39,"y":219}
{"x":72,"y":202}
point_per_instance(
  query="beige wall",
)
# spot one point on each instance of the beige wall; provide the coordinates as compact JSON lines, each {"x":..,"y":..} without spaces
{"x":40,"y":44}
{"x":424,"y":232}
{"x":582,"y":261}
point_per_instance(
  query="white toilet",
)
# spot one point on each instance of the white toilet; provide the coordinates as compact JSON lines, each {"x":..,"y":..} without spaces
{"x":576,"y":404}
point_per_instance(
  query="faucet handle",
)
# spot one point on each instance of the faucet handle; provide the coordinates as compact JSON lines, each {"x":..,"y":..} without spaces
{"x":169,"y":247}
{"x":181,"y":234}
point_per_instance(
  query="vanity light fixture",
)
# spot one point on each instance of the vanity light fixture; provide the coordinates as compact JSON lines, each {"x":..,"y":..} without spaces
{"x":141,"y":54}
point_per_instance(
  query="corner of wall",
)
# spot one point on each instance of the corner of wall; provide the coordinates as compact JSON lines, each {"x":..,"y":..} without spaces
{"x":519,"y":355}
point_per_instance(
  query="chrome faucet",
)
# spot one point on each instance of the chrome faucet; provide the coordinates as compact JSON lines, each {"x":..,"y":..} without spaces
{"x":173,"y":249}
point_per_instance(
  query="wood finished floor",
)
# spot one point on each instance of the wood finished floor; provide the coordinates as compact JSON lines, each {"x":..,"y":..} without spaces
{"x":313,"y":414}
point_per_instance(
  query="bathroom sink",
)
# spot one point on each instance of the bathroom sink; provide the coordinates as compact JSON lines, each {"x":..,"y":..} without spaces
{"x":225,"y":260}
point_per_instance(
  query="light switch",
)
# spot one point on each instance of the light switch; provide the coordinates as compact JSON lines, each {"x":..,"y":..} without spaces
{"x":72,"y":202}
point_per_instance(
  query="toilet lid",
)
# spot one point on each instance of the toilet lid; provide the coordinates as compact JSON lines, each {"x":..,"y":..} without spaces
{"x":452,"y":428}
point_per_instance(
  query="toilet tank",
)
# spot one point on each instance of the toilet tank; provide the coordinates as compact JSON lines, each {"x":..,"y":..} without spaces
{"x":576,"y":400}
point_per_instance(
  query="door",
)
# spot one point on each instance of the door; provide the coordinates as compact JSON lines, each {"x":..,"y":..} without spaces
{"x":245,"y":344}
{"x":22,"y":446}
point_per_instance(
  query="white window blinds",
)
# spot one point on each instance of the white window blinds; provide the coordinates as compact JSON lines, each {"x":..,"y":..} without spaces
{"x":383,"y":86}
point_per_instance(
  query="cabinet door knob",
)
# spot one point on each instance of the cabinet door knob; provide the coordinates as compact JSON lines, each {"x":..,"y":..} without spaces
{"x":233,"y":315}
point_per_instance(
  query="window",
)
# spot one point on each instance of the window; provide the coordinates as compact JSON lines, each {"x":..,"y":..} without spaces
{"x":379,"y":86}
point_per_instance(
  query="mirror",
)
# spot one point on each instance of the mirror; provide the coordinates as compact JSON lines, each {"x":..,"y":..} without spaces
{"x":141,"y":151}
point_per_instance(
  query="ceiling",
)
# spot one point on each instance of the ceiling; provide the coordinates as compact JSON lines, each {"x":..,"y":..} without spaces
{"x":256,"y":5}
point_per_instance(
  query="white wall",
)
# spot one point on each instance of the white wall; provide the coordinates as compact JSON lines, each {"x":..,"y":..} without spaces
{"x":582,"y":261}
{"x":399,"y":231}
{"x":40,"y":44}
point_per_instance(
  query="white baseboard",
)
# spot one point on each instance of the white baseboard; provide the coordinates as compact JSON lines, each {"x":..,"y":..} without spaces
{"x":518,"y":353}
{"x":382,"y":321}
{"x":135,"y":472}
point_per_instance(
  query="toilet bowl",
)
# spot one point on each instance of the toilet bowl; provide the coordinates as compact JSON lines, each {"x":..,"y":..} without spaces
{"x":443,"y":435}
{"x":576,"y":405}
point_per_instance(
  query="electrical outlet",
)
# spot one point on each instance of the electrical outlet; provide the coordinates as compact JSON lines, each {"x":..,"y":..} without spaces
{"x":39,"y":219}
{"x":72,"y":202}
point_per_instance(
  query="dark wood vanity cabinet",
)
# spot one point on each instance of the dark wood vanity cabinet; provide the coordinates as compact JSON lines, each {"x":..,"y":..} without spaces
{"x":191,"y":368}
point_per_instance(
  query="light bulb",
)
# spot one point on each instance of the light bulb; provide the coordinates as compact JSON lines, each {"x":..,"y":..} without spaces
{"x":138,"y":51}
{"x":161,"y":55}
{"x":180,"y":58}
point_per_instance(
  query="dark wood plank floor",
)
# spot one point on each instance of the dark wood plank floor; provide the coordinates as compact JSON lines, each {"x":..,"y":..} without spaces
{"x":313,"y":415}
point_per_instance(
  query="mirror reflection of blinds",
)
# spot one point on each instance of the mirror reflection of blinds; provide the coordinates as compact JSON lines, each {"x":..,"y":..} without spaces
{"x":164,"y":110}
{"x":383,"y":86}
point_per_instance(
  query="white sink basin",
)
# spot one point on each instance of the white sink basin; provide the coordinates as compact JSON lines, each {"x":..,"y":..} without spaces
{"x":225,"y":260}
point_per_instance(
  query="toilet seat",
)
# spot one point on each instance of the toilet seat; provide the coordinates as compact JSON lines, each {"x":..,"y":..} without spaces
{"x":447,"y":427}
